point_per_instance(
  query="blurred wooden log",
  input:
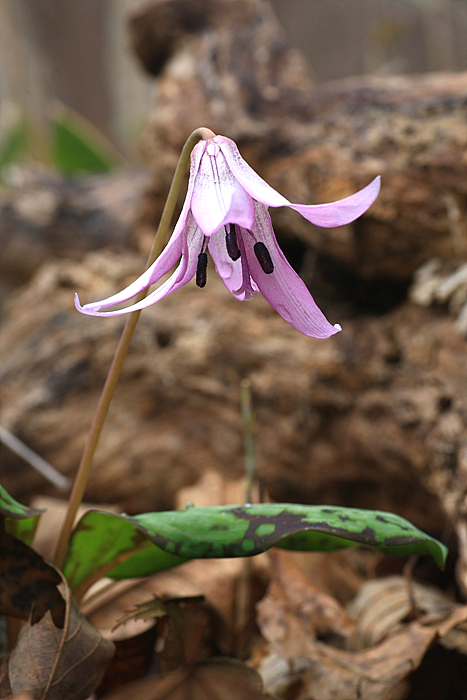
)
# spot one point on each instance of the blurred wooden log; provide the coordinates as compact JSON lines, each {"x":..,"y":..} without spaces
{"x":44,"y":215}
{"x":237,"y":74}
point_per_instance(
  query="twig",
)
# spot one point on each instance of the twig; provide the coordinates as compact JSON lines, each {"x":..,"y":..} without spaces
{"x":36,"y":461}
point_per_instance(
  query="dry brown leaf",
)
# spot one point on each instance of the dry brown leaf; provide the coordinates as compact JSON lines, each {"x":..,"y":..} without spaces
{"x":216,"y":679}
{"x":55,"y":664}
{"x":372,"y":674}
{"x":294,"y":611}
{"x":382,"y":606}
{"x":28,"y":586}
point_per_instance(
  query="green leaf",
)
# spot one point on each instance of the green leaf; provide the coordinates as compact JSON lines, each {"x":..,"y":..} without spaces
{"x":77,"y":147}
{"x":119,"y":545}
{"x":14,"y":143}
{"x":20,"y":521}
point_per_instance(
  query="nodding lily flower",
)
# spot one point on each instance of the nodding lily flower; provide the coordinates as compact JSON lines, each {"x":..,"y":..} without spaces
{"x":226,"y":214}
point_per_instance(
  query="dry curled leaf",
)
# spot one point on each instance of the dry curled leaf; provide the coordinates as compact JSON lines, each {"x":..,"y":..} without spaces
{"x":372,"y":674}
{"x":382,"y":606}
{"x":294,"y":611}
{"x":28,"y":586}
{"x":52,"y":663}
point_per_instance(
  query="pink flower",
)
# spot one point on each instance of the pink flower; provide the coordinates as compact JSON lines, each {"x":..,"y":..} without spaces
{"x":226,"y":214}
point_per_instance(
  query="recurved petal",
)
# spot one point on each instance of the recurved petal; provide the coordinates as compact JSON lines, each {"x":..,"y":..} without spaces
{"x":283,"y":288}
{"x":166,"y":260}
{"x":344,"y":210}
{"x":218,"y":198}
{"x":191,"y":246}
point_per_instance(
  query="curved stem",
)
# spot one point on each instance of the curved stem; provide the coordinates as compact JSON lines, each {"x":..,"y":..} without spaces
{"x":102,"y":408}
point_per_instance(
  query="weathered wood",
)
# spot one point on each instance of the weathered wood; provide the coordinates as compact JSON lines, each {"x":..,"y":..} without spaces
{"x":44,"y":215}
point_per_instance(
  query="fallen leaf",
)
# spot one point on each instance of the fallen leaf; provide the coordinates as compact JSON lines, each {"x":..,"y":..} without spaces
{"x":294,"y":611}
{"x":28,"y":586}
{"x":382,"y":607}
{"x":372,"y":674}
{"x":51,"y":663}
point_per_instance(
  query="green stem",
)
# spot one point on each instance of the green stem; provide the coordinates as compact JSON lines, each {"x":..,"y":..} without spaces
{"x":100,"y":414}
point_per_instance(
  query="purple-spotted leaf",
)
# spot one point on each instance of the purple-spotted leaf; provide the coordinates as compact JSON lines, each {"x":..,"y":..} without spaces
{"x":19,"y":521}
{"x":123,"y":546}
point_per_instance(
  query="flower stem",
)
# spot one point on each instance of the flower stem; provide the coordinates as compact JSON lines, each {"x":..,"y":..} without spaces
{"x":102,"y":408}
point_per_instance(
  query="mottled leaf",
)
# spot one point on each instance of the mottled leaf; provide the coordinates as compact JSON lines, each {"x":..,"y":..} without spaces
{"x":12,"y":509}
{"x":19,"y":521}
{"x":100,"y":542}
{"x":102,"y":539}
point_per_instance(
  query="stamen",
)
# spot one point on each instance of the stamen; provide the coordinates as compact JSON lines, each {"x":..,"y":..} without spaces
{"x":231,"y":242}
{"x":202,"y":270}
{"x":264,"y":259}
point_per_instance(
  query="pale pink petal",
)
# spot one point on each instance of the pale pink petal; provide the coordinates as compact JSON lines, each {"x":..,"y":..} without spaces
{"x":229,"y":270}
{"x":283,"y":288}
{"x":166,"y":260}
{"x":164,"y":263}
{"x":218,"y":198}
{"x":344,"y":210}
{"x":256,"y":187}
{"x":327,"y":215}
{"x":192,"y":242}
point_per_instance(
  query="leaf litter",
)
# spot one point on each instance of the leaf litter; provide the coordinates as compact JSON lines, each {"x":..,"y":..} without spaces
{"x":59,"y":664}
{"x":304,"y":646}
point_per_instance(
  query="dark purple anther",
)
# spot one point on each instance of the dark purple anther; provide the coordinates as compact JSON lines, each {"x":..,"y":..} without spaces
{"x":231,"y":242}
{"x":264,"y":259}
{"x":201,"y":269}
